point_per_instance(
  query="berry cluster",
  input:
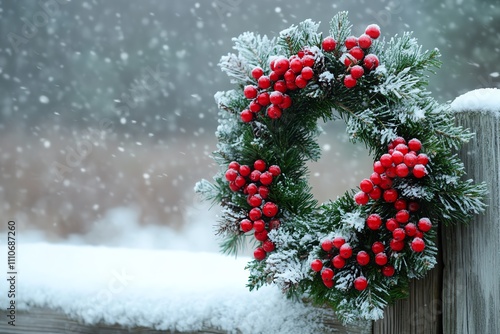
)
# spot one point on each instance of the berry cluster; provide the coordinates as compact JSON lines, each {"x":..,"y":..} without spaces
{"x":338,"y":252}
{"x":402,"y":160}
{"x":255,"y":184}
{"x":287,"y":74}
{"x":356,"y":60}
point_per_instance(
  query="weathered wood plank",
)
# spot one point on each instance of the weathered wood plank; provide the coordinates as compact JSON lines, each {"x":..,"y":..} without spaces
{"x":420,"y":313}
{"x":48,"y":321}
{"x":471,"y":293}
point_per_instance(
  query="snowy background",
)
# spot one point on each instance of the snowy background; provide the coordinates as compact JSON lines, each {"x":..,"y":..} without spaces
{"x":107,"y":115}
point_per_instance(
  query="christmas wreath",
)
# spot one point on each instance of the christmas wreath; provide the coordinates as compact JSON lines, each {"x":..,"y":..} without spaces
{"x":357,"y":253}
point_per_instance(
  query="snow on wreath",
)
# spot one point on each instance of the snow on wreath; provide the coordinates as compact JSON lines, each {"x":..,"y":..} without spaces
{"x":355,"y":254}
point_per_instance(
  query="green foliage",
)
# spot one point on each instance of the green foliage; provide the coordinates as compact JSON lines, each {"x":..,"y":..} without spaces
{"x":386,"y":103}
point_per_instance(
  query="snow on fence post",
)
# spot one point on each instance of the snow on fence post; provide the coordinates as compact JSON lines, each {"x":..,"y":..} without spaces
{"x":471,"y":276}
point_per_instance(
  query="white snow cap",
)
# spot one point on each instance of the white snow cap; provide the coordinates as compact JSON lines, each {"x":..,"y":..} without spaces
{"x":483,"y":100}
{"x":161,"y":289}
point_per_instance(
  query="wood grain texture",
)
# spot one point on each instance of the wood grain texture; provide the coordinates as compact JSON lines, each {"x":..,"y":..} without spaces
{"x":48,"y":321}
{"x":420,"y":313}
{"x":471,"y":254}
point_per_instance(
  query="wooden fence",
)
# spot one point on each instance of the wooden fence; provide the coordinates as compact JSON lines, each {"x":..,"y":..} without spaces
{"x":461,"y":295}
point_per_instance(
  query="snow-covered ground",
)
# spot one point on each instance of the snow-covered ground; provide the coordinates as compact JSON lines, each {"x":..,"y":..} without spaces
{"x":162,"y":289}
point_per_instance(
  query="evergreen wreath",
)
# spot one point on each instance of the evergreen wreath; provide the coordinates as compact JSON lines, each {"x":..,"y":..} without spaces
{"x":357,"y":253}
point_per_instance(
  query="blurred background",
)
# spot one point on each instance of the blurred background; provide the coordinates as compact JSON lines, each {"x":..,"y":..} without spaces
{"x":107,"y":116}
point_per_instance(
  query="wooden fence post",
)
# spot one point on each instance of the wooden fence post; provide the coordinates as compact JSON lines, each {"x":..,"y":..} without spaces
{"x":471,"y":276}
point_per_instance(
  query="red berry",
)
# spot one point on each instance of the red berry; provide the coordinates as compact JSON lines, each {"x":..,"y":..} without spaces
{"x":274,"y":76}
{"x":410,"y":229}
{"x":307,"y":73}
{"x":270,"y":209}
{"x":328,"y":284}
{"x":260,"y":165}
{"x":419,"y":234}
{"x":370,"y":62}
{"x":308,"y":60}
{"x":327,"y":274}
{"x":390,"y":195}
{"x":374,"y":221}
{"x":300,"y":81}
{"x":399,"y":234}
{"x":276,"y":97}
{"x":397,"y":157}
{"x":266,"y":178}
{"x":259,"y":225}
{"x":366,"y":185}
{"x":271,"y":64}
{"x":385,"y":182}
{"x":424,"y":224}
{"x":373,"y":31}
{"x":388,"y":271}
{"x":290,"y":76}
{"x":338,"y":262}
{"x":349,"y":81}
{"x":250,"y":92}
{"x":363,"y":258}
{"x":254,"y":200}
{"x":264,"y":82}
{"x":418,"y":245}
{"x":375,"y":178}
{"x":263,"y":99}
{"x":274,"y":224}
{"x":415,"y":145}
{"x":364,"y":41}
{"x":397,"y":141}
{"x":233,"y":186}
{"x":259,"y":254}
{"x":231,"y":175}
{"x":345,"y":251}
{"x":349,"y":60}
{"x":375,"y":194}
{"x":263,"y":192}
{"x":402,"y":170}
{"x":251,"y":189}
{"x":413,"y":206}
{"x":410,"y":160}
{"x":261,"y":236}
{"x":257,"y":72}
{"x":357,"y":52}
{"x":378,"y":168}
{"x":361,"y":198}
{"x":301,"y":53}
{"x":360,"y":283}
{"x":338,"y":242}
{"x":401,"y":148}
{"x":327,"y":245}
{"x":400,"y":204}
{"x":280,"y":86}
{"x":391,"y":172}
{"x":329,"y":44}
{"x":402,"y":216}
{"x":255,"y":214}
{"x":350,"y":42}
{"x":419,"y":171}
{"x":281,"y":65}
{"x":377,"y":247}
{"x":391,"y":224}
{"x":268,"y":246}
{"x":422,"y":159}
{"x":274,"y":112}
{"x":254,"y":106}
{"x":245,"y":170}
{"x":246,"y":116}
{"x":274,"y":170}
{"x":386,"y":160}
{"x":317,"y":265}
{"x":246,"y":225}
{"x":357,"y":71}
{"x":255,"y":175}
{"x":396,"y":245}
{"x":240,"y":181}
{"x":287,"y":102}
{"x":296,"y":66}
{"x":381,"y":259}
{"x":234,"y":165}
